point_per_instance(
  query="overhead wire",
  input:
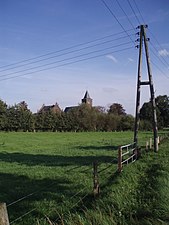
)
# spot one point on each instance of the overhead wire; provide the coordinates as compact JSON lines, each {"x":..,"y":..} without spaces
{"x":62,"y":60}
{"x":161,"y":59}
{"x":156,"y":55}
{"x":139,"y":12}
{"x":64,"y":64}
{"x":41,"y":58}
{"x":125,"y":14}
{"x":115,"y":17}
{"x":133,"y":12}
{"x":63,"y":54}
{"x":65,"y":49}
{"x":162,"y":72}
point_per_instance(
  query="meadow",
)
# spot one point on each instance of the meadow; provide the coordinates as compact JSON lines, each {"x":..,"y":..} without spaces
{"x":46,"y":178}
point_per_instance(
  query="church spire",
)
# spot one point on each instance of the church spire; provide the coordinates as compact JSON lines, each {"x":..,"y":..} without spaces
{"x":87,"y":99}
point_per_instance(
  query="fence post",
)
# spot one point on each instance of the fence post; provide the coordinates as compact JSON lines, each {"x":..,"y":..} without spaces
{"x":147,"y":146}
{"x":3,"y":214}
{"x":158,"y":140}
{"x":150,"y":143}
{"x":96,"y":188}
{"x":120,"y":159}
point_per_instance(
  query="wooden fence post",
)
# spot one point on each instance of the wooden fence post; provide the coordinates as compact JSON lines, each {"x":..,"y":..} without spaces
{"x":3,"y":214}
{"x":147,"y":146}
{"x":120,"y":159}
{"x":150,"y":143}
{"x":158,"y":140}
{"x":96,"y":188}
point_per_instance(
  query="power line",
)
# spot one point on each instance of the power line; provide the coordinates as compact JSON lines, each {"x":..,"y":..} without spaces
{"x":139,"y":12}
{"x":63,"y":54}
{"x":156,"y":55}
{"x":151,"y":34}
{"x":125,"y":14}
{"x":69,"y":63}
{"x":161,"y":59}
{"x":65,"y":49}
{"x":111,"y":12}
{"x":162,"y":72}
{"x":133,"y":12}
{"x":62,"y":60}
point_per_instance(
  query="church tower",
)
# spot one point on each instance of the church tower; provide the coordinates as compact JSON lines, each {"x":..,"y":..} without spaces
{"x":87,"y":99}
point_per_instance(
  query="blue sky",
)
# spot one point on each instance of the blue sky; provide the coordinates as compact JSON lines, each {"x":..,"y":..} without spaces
{"x":30,"y":29}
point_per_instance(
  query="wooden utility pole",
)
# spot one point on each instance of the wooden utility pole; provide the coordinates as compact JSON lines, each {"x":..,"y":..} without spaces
{"x":150,"y":83}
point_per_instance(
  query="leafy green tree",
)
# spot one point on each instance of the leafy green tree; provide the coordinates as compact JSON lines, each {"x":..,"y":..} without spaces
{"x":127,"y":122}
{"x":162,"y":103}
{"x":19,"y":117}
{"x":116,"y":109}
{"x":39,"y":121}
{"x":13,"y":119}
{"x":145,"y":125}
{"x":3,"y":115}
{"x":26,"y":120}
{"x":82,"y":118}
{"x":162,"y":110}
{"x":146,"y":111}
{"x":48,"y":123}
{"x":112,"y":122}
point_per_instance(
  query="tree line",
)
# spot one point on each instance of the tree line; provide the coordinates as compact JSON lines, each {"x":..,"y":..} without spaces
{"x":82,"y":118}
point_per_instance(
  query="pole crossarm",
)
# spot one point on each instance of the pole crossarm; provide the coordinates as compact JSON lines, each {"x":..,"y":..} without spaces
{"x":145,"y":83}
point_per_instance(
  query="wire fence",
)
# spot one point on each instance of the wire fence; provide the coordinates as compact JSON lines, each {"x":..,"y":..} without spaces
{"x":45,"y":188}
{"x":81,"y":194}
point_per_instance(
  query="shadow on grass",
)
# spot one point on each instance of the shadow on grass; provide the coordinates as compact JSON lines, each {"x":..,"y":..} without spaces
{"x":52,"y":160}
{"x":30,"y":192}
{"x":148,"y":192}
{"x":103,"y":147}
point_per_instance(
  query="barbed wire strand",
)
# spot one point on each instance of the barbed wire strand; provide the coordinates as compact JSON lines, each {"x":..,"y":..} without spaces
{"x":25,"y":214}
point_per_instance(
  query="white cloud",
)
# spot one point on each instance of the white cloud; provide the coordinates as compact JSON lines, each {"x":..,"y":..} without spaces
{"x":130,"y":60}
{"x":163,"y":52}
{"x":109,"y":89}
{"x":112,"y":58}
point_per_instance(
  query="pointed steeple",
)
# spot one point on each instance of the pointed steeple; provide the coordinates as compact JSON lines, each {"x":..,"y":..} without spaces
{"x":87,"y":99}
{"x":87,"y":95}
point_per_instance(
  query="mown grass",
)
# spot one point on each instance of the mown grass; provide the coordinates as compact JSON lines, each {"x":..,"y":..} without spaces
{"x":54,"y":167}
{"x":138,"y":196}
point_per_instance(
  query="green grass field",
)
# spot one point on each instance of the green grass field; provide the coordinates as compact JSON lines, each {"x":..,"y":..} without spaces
{"x":51,"y":176}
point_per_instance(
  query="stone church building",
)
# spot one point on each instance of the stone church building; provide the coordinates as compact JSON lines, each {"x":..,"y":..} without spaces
{"x":56,"y":109}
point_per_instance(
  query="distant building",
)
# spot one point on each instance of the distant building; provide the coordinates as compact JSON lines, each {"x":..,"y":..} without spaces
{"x":67,"y":109}
{"x":85,"y":100}
{"x":56,"y":109}
{"x":50,"y":108}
